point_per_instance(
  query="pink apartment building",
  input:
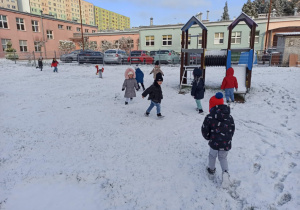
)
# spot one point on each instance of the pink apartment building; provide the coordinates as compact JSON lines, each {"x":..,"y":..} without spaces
{"x":28,"y":31}
{"x":110,"y":37}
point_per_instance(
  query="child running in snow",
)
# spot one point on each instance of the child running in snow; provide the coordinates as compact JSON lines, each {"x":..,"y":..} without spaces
{"x":139,"y":77}
{"x":155,"y":95}
{"x":40,"y":63}
{"x":130,"y":85}
{"x":198,"y":88}
{"x":54,"y":64}
{"x":156,"y":70}
{"x":229,"y":83}
{"x":218,"y":128}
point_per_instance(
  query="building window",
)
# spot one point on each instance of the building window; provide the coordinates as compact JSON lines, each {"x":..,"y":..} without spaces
{"x":60,"y":26}
{"x":23,"y":45}
{"x":3,"y":21}
{"x":4,"y":43}
{"x":78,"y":29}
{"x":69,"y":28}
{"x":86,"y":30}
{"x":49,"y":34}
{"x":200,"y":40}
{"x":20,"y":24}
{"x":236,"y":37}
{"x":149,"y":40}
{"x":167,"y":40}
{"x":35,"y":26}
{"x":37,"y":46}
{"x":93,"y":31}
{"x":256,"y":37}
{"x":219,"y":38}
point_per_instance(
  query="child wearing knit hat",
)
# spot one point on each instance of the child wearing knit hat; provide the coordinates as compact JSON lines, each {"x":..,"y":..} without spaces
{"x":218,"y":128}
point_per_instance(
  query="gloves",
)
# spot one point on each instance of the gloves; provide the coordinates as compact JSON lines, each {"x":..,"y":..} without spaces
{"x":123,"y":89}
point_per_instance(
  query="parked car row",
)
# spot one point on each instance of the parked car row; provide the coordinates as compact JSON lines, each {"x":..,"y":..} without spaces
{"x":118,"y":56}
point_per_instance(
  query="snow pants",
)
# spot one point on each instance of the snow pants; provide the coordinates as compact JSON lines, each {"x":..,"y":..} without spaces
{"x":229,"y":94}
{"x":222,"y":155}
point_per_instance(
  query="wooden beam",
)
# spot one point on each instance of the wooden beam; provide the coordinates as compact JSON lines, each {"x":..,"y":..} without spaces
{"x":182,"y":56}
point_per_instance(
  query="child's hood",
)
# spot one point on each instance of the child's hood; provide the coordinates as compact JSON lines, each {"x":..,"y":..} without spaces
{"x":220,"y":112}
{"x":127,"y":71}
{"x":230,"y":72}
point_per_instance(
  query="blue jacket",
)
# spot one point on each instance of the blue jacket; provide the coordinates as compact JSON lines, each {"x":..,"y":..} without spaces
{"x":139,"y":75}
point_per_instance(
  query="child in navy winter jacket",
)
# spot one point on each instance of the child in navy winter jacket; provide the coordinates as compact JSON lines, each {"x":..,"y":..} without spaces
{"x":155,"y":95}
{"x":139,"y":77}
{"x":218,"y":128}
{"x":198,"y":88}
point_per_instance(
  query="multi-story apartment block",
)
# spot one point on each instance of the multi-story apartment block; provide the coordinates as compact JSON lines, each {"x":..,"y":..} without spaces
{"x":60,"y":9}
{"x":106,"y":19}
{"x":10,"y":4}
{"x":30,"y":33}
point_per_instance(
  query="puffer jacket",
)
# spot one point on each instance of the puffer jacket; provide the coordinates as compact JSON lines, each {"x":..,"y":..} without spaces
{"x":218,"y":128}
{"x":139,"y":75}
{"x":198,"y":88}
{"x":155,"y":93}
{"x":229,"y":81}
{"x":130,"y":85}
{"x":156,"y":70}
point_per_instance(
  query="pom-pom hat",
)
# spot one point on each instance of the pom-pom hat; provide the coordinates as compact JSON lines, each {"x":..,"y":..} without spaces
{"x":216,"y":100}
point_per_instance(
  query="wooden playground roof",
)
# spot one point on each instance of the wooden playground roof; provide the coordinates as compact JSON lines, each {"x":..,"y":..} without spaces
{"x":192,"y":22}
{"x":243,"y":17}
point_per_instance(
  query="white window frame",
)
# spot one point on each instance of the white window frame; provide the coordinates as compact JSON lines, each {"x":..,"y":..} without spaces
{"x":217,"y":40}
{"x":35,"y":27}
{"x":235,"y":37}
{"x":3,"y":21}
{"x":256,"y":37}
{"x":78,"y":29}
{"x":4,"y":43}
{"x":69,"y":28}
{"x":37,"y":46}
{"x":21,"y":24}
{"x":23,"y":45}
{"x":200,"y":40}
{"x":86,"y":30}
{"x":50,"y":34}
{"x":167,"y":40}
{"x":149,"y":41}
{"x":60,"y":26}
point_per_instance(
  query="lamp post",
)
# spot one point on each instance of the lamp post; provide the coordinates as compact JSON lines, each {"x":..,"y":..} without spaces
{"x":43,"y":33}
{"x":81,"y":26}
{"x":266,"y":41}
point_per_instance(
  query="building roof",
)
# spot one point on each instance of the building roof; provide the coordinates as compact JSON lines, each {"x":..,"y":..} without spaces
{"x":288,"y":34}
{"x":191,"y":22}
{"x":245,"y":18}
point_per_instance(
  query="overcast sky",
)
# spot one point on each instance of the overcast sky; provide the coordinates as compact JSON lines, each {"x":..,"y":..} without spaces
{"x":168,"y":11}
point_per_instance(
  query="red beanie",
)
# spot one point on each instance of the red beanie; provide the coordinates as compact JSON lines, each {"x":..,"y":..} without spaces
{"x":216,"y":100}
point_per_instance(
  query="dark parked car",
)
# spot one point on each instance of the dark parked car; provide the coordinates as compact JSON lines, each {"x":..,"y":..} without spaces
{"x":140,"y":56}
{"x":89,"y":56}
{"x":72,"y":56}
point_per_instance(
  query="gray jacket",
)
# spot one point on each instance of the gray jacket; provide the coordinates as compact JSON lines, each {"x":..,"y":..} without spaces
{"x":130,"y":85}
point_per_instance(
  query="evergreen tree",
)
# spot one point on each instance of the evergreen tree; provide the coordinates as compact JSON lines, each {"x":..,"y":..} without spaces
{"x":260,"y":6}
{"x":225,"y":15}
{"x":250,"y":9}
{"x":289,"y":7}
{"x":278,"y":5}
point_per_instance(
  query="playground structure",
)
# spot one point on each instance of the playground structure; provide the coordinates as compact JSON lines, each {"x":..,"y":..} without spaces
{"x":242,"y":70}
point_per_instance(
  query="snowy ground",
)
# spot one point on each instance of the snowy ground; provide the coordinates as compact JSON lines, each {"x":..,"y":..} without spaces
{"x":68,"y":142}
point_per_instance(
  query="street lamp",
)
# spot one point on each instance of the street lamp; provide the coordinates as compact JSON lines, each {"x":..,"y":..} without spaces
{"x":43,"y":33}
{"x":81,"y":25}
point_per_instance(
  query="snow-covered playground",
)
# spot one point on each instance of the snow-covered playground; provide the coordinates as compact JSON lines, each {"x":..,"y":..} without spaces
{"x":68,"y":142}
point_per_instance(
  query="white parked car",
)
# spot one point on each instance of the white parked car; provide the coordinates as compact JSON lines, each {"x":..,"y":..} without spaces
{"x":115,"y":56}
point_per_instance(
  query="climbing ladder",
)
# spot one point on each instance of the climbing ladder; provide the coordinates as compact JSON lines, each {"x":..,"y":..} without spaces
{"x":185,"y":70}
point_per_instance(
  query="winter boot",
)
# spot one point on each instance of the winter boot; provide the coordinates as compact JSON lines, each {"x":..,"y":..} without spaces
{"x":147,"y":114}
{"x":159,"y":115}
{"x":200,"y":111}
{"x":126,"y":103}
{"x":211,"y":172}
{"x":225,"y":180}
{"x":131,"y":99}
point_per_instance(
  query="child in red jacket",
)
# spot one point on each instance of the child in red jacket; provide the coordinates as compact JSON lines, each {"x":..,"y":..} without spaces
{"x":229,"y":83}
{"x":54,"y":64}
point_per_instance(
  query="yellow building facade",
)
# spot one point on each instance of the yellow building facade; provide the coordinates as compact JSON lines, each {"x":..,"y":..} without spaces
{"x":107,"y":20}
{"x":9,"y":4}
